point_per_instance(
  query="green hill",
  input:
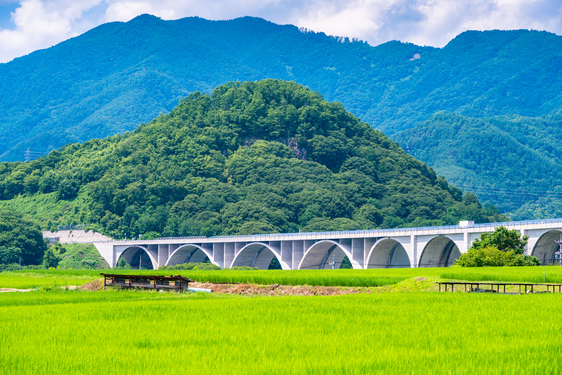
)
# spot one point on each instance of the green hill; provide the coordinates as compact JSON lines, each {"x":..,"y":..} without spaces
{"x":257,"y":157}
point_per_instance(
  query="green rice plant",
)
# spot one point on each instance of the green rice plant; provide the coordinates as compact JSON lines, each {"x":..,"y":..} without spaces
{"x":125,"y":332}
{"x":33,"y":280}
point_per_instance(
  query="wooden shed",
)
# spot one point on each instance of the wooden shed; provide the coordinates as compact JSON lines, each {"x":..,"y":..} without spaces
{"x":156,"y":282}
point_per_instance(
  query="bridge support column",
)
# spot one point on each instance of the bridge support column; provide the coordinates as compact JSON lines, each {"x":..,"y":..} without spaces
{"x":287,"y":252}
{"x":528,"y":249}
{"x":367,"y":246}
{"x":218,"y":254}
{"x":107,"y":251}
{"x":229,"y":254}
{"x":358,"y":250}
{"x":163,"y":254}
{"x":298,"y":252}
{"x":414,"y":251}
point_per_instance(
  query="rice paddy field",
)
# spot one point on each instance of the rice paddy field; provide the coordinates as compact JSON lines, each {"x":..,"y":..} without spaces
{"x":57,"y":331}
{"x":351,"y":278}
{"x":127,"y":332}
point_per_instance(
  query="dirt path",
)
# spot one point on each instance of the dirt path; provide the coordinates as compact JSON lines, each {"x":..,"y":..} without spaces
{"x":279,"y":290}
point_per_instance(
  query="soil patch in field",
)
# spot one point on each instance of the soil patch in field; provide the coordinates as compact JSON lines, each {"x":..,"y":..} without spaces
{"x":93,"y":286}
{"x":279,"y":290}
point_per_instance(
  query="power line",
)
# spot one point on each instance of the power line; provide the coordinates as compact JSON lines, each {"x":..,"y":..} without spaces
{"x":32,"y":155}
{"x":510,"y":192}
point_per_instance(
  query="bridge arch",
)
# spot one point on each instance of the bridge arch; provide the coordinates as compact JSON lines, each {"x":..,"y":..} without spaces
{"x":257,"y":254}
{"x":319,"y":256}
{"x":441,"y":251}
{"x":545,"y":247}
{"x":388,"y":253}
{"x":137,"y":256}
{"x":189,"y":253}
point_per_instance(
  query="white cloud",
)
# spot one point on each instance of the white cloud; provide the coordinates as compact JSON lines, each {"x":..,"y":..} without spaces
{"x":42,"y":23}
{"x":39,"y":25}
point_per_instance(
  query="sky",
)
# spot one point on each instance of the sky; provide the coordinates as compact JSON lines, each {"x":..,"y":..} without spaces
{"x":28,"y":25}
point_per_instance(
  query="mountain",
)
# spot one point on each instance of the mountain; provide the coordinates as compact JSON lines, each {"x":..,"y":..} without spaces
{"x":513,"y":161}
{"x":112,"y":78}
{"x":118,"y":75}
{"x":256,"y":157}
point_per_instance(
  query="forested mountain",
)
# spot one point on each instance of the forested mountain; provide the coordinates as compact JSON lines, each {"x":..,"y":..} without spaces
{"x":257,"y":157}
{"x":118,"y":75}
{"x":515,"y":161}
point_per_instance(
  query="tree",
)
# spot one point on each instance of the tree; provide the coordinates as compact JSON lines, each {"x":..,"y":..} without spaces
{"x":19,"y":232}
{"x":123,"y":265}
{"x":501,"y":248}
{"x":490,"y":256}
{"x":68,"y":189}
{"x":50,"y":259}
{"x":503,"y":240}
{"x":9,"y":254}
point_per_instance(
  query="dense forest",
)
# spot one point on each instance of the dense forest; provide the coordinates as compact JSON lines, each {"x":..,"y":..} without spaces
{"x":254,"y":157}
{"x":468,"y":150}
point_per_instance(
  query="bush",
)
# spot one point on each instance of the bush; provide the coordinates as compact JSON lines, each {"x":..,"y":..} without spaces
{"x":9,"y":267}
{"x":192,"y":266}
{"x":492,"y":257}
{"x":123,"y":265}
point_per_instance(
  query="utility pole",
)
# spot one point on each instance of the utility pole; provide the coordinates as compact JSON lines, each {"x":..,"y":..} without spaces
{"x":20,"y":263}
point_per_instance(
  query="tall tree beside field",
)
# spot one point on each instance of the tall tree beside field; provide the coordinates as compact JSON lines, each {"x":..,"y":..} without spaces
{"x":18,"y":233}
{"x":502,"y":247}
{"x":502,"y":239}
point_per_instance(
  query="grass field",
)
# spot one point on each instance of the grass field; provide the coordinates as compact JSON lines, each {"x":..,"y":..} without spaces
{"x":359,"y":278}
{"x":34,"y":279}
{"x":163,"y":333}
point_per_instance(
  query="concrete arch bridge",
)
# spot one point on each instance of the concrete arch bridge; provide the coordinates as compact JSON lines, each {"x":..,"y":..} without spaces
{"x":384,"y":248}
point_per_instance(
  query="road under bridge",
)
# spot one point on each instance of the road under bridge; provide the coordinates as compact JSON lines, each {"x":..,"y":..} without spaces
{"x":382,"y":248}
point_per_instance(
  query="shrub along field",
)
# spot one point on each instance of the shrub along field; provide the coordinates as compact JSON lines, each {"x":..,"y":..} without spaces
{"x":116,"y":332}
{"x":351,"y":278}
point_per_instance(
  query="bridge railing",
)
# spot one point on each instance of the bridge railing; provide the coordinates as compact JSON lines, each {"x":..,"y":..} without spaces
{"x":374,"y":232}
{"x":351,"y":233}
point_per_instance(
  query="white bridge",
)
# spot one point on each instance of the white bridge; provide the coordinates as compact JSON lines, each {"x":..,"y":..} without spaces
{"x":382,"y":248}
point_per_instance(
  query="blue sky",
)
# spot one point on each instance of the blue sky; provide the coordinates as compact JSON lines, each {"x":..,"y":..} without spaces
{"x":28,"y":25}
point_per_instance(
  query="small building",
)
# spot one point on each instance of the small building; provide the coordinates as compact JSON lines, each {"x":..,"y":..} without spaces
{"x":155,"y":282}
